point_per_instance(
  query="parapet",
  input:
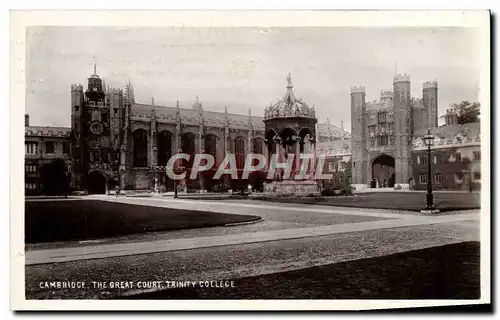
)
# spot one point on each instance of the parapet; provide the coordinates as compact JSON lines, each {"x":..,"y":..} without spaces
{"x":76,"y":87}
{"x":386,"y":94}
{"x":357,"y":89}
{"x":417,"y":103}
{"x":402,"y":78}
{"x":430,"y":85}
{"x":115,"y":91}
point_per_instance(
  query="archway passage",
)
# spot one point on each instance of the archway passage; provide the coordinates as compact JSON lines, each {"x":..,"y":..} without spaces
{"x":383,"y":172}
{"x":96,"y":183}
{"x":54,"y":178}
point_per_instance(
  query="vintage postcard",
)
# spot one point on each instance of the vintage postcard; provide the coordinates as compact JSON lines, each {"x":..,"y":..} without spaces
{"x":293,"y":160}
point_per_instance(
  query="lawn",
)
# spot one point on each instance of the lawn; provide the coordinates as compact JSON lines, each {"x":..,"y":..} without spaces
{"x":49,"y":221}
{"x":445,"y":272}
{"x":413,"y":201}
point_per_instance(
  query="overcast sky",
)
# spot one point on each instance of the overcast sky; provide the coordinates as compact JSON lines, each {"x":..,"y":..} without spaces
{"x":244,"y":68}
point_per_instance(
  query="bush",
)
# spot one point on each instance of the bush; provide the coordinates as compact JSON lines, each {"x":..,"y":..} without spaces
{"x":347,"y":191}
{"x":328,"y":192}
{"x":221,"y":187}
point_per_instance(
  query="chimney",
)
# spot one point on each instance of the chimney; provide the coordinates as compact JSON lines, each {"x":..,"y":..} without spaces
{"x":26,"y":120}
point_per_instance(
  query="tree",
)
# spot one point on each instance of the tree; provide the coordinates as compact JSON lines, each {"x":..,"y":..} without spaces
{"x":467,"y":111}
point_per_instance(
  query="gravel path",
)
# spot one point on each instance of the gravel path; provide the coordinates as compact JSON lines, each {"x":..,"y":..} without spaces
{"x":230,"y":262}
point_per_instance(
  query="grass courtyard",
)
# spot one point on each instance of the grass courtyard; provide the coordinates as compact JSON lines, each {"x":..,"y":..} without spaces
{"x":66,"y":220}
{"x":412,"y":201}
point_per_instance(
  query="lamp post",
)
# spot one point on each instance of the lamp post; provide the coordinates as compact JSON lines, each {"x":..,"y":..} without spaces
{"x":429,"y":142}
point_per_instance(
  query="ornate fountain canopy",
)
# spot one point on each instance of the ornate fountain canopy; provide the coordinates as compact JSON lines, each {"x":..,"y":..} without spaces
{"x":289,"y":106}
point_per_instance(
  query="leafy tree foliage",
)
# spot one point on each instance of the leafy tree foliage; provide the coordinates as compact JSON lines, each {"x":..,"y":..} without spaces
{"x":467,"y":111}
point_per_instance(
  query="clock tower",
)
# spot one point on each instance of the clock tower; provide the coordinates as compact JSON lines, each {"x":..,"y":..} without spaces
{"x":95,"y":129}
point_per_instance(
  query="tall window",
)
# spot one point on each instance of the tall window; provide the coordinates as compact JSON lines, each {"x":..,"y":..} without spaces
{"x":258,"y":146}
{"x":458,"y":177}
{"x":140,"y":141}
{"x":66,"y":147}
{"x":476,"y":155}
{"x":477,"y":175}
{"x":383,"y":141}
{"x":188,"y":146}
{"x":31,"y":148}
{"x":239,"y":152}
{"x":164,"y":147}
{"x":422,"y":159}
{"x":211,"y":145}
{"x":423,"y":178}
{"x":458,"y":157}
{"x":382,"y":117}
{"x":49,"y":147}
{"x":438,"y":178}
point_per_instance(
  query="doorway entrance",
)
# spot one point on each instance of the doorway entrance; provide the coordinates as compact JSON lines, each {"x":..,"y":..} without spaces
{"x":96,"y":183}
{"x":383,"y":172}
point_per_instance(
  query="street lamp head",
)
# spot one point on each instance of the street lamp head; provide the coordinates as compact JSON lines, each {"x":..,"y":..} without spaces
{"x":429,"y":139}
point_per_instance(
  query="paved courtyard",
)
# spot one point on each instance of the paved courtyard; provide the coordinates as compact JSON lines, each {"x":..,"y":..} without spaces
{"x":290,"y":237}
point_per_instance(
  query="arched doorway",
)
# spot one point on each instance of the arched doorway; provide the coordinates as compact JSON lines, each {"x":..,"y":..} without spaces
{"x":383,"y":172}
{"x":54,"y":178}
{"x":96,"y":183}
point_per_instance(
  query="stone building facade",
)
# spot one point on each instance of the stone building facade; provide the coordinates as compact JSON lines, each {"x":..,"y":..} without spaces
{"x":387,"y":143}
{"x":116,"y":141}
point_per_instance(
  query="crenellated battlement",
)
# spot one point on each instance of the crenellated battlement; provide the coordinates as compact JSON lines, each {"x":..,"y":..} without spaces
{"x":429,"y":85}
{"x":386,"y":94}
{"x":402,"y":77}
{"x":76,"y":87}
{"x":357,"y":89}
{"x":115,"y":91}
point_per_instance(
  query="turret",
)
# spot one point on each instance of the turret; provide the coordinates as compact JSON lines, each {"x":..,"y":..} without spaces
{"x":387,"y":98}
{"x":451,"y":117}
{"x":402,"y":117}
{"x":429,"y":93}
{"x":358,"y":136}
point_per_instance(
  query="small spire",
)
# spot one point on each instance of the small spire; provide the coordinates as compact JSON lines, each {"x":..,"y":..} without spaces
{"x":95,"y":66}
{"x":395,"y":68}
{"x":289,"y":80}
{"x":225,"y":109}
{"x":153,"y":101}
{"x":250,"y":112}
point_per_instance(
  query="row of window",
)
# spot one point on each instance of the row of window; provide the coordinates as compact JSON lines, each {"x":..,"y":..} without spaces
{"x":31,"y":186}
{"x":31,"y":148}
{"x":31,"y":168}
{"x":476,"y":156}
{"x":438,"y":177}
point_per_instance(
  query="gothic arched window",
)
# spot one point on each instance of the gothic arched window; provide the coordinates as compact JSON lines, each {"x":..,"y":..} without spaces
{"x":239,"y":152}
{"x":164,"y":147}
{"x":188,"y":146}
{"x":258,"y":146}
{"x":140,"y":140}
{"x":211,"y":145}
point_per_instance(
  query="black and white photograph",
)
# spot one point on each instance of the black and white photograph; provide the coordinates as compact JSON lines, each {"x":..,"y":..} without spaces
{"x":182,"y":158}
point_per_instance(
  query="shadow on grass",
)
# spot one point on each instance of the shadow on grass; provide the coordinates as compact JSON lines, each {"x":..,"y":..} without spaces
{"x":47,"y":221}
